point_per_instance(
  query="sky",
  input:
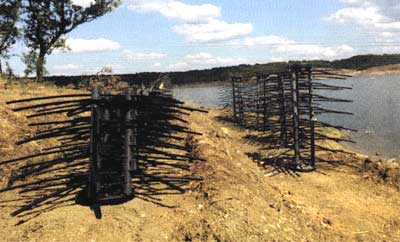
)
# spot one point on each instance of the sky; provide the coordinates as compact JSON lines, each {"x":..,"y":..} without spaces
{"x":181,"y":35}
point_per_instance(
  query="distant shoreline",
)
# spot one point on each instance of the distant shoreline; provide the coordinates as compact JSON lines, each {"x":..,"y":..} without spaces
{"x":203,"y":78}
{"x":370,"y":72}
{"x":374,"y":71}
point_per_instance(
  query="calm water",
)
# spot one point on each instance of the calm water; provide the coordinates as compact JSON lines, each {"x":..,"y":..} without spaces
{"x":203,"y":96}
{"x":376,"y":109}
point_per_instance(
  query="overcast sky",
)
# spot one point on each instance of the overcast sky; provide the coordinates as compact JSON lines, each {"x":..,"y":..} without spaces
{"x":179,"y":35}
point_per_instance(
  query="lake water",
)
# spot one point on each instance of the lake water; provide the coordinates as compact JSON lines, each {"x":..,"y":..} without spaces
{"x":207,"y":96}
{"x":376,"y":109}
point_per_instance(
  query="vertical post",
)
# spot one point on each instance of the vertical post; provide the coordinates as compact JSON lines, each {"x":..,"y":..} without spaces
{"x":127,"y":145}
{"x":94,"y":183}
{"x":120,"y":119}
{"x":240,"y":103}
{"x":258,"y":97}
{"x":312,"y":118}
{"x":265,"y":115}
{"x":234,"y":98}
{"x":98,"y":129}
{"x":106,"y":118}
{"x":282,"y":109}
{"x":134,"y":141}
{"x":295,"y":102}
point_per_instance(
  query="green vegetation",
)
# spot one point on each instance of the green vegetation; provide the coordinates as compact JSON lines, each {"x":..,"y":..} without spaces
{"x":44,"y":23}
{"x":30,"y":60}
{"x":9,"y":12}
{"x":360,"y":62}
{"x":222,"y":74}
{"x":47,"y":21}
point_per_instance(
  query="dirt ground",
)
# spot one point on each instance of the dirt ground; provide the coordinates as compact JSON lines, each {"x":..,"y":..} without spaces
{"x":237,"y":199}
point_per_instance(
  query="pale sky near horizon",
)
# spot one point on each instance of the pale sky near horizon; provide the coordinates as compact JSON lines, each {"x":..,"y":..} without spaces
{"x":180,"y":35}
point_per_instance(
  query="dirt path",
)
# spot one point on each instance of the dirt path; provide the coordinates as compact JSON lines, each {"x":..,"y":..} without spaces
{"x":237,"y":200}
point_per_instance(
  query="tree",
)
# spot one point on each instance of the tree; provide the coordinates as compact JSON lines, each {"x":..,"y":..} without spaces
{"x":9,"y":16}
{"x":9,"y":71}
{"x":30,"y":60}
{"x":47,"y":21}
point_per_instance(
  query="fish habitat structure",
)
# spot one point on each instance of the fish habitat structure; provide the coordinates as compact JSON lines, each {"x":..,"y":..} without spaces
{"x":284,"y":107}
{"x":111,"y":147}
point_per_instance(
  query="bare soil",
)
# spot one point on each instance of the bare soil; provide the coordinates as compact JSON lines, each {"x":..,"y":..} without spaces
{"x":237,"y":198}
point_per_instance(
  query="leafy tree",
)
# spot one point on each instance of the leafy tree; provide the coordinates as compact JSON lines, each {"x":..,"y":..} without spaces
{"x":47,"y":21}
{"x":9,"y":71}
{"x":30,"y":60}
{"x":9,"y":15}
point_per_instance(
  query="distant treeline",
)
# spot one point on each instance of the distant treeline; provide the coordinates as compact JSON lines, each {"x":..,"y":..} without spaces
{"x":359,"y":62}
{"x":222,"y":74}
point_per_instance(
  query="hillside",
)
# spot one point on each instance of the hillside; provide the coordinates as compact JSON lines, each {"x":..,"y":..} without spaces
{"x":378,"y":71}
{"x":237,"y":199}
{"x":356,"y":63}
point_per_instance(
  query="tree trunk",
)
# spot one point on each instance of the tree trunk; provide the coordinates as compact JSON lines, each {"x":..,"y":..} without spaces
{"x":40,"y":66}
{"x":1,"y":69}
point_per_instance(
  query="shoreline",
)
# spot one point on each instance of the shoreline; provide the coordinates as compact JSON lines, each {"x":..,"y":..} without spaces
{"x":386,"y":70}
{"x":235,"y":191}
{"x":374,"y":71}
